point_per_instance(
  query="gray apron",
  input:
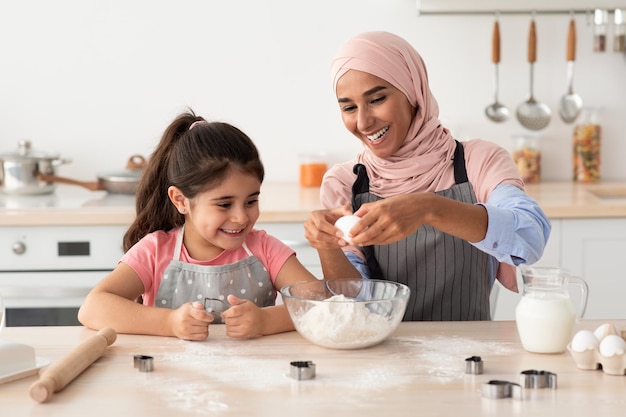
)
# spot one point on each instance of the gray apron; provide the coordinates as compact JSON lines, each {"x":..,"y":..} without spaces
{"x":448,"y":277}
{"x":183,"y":282}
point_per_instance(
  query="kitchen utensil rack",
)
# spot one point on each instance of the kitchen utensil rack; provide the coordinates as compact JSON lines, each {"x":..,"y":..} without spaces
{"x":491,"y":7}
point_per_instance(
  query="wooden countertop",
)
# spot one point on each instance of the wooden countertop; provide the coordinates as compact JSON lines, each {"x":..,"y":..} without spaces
{"x":288,"y":202}
{"x":564,"y":200}
{"x":421,"y":368}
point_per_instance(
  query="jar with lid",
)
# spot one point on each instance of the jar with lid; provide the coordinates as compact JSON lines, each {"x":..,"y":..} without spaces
{"x":600,"y":24}
{"x":619,"y":31}
{"x":527,"y":157}
{"x":586,"y":146}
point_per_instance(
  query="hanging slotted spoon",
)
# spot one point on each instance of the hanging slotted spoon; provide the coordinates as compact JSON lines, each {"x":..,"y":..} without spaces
{"x":532,"y":114}
{"x":496,"y":112}
{"x":571,"y":104}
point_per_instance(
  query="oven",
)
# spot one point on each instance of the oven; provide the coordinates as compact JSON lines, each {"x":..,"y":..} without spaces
{"x":54,"y":248}
{"x":46,"y":271}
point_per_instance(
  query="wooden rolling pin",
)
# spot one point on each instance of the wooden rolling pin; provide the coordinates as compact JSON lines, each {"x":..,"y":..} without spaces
{"x":58,"y":375}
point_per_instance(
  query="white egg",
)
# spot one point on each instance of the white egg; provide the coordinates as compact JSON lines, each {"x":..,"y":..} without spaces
{"x":612,"y":345}
{"x":584,"y":340}
{"x":604,"y":330}
{"x":346,"y":223}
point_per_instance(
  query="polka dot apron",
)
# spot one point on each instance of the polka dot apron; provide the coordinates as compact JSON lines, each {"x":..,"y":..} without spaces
{"x":183,"y":282}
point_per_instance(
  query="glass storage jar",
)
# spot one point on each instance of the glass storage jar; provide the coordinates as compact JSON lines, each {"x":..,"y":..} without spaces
{"x":600,"y":24}
{"x":527,"y":157}
{"x":586,"y":146}
{"x":313,"y":166}
{"x":619,"y":31}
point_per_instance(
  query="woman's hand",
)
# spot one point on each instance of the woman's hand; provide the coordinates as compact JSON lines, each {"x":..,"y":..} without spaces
{"x":191,"y":322}
{"x":389,"y":220}
{"x":320,"y":230}
{"x":394,"y":218}
{"x":243,"y":319}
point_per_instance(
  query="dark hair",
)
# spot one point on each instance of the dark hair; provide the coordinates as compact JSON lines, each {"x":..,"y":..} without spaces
{"x":194,"y":160}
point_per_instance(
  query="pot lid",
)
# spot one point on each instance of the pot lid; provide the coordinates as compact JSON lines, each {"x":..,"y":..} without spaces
{"x":25,"y":152}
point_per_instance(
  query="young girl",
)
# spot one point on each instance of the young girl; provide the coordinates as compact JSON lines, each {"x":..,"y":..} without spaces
{"x":193,"y":245}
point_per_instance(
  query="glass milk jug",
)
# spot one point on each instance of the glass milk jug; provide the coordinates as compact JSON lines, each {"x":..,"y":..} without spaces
{"x":545,"y":316}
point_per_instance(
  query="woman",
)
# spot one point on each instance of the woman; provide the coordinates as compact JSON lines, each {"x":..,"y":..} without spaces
{"x":443,"y":217}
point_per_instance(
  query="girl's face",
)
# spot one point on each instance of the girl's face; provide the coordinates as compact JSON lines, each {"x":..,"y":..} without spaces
{"x":376,"y":112}
{"x":221,"y":217}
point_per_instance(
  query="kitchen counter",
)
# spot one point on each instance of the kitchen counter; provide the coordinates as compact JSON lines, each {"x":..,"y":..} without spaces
{"x":76,"y":206}
{"x":283,"y":203}
{"x":421,"y":368}
{"x":568,"y":200}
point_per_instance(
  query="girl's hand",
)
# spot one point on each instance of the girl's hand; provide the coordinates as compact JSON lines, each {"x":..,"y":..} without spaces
{"x":320,"y":230}
{"x":243,"y":319}
{"x":191,"y":322}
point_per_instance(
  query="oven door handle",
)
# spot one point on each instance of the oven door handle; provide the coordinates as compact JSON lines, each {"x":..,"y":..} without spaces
{"x":43,"y":297}
{"x":43,"y":292}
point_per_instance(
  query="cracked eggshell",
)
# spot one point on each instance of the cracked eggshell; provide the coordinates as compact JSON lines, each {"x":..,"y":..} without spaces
{"x":346,"y":223}
{"x":584,"y":340}
{"x":604,"y":330}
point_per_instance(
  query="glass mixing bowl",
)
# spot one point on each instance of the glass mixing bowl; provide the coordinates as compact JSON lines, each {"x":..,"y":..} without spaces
{"x":346,"y":313}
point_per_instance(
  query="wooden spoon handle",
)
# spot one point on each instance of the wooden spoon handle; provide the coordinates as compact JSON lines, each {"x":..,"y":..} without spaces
{"x":495,"y":43}
{"x":61,"y":373}
{"x":532,"y":42}
{"x":571,"y":41}
{"x":93,"y":186}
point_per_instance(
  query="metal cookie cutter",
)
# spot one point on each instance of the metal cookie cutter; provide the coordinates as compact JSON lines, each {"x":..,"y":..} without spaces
{"x":502,"y":389}
{"x":474,"y":365}
{"x":215,"y":306}
{"x":302,"y":370}
{"x":144,"y":363}
{"x":538,"y":379}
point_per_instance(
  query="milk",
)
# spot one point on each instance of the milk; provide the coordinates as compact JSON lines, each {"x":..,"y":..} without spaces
{"x":545,"y":321}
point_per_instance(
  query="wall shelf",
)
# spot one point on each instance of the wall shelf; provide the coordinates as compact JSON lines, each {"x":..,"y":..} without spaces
{"x":502,"y":7}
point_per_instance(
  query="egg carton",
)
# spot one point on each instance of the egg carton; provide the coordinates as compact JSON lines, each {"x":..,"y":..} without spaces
{"x":592,"y":359}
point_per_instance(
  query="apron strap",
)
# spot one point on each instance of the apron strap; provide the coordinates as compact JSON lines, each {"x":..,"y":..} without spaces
{"x":361,"y":184}
{"x":460,"y":172}
{"x":179,"y":243}
{"x":248,"y":251}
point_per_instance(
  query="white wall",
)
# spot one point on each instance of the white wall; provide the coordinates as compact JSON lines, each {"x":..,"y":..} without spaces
{"x":98,"y":81}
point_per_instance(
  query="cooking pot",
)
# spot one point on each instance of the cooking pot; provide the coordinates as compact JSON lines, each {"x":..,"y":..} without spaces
{"x":119,"y":182}
{"x":20,"y":171}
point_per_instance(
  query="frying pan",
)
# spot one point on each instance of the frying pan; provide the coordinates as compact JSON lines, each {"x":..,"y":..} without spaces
{"x":120,"y":182}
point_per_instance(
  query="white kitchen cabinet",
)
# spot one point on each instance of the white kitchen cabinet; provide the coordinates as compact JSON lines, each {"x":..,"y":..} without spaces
{"x":595,"y":249}
{"x":592,"y":249}
{"x":506,"y":300}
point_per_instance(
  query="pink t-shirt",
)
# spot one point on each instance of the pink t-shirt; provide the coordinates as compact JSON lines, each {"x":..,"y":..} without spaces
{"x":151,"y":255}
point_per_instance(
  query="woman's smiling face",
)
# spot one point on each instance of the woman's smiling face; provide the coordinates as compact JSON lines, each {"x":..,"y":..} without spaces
{"x":374,"y":111}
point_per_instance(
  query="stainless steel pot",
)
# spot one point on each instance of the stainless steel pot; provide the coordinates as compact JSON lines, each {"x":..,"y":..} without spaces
{"x":119,"y":182}
{"x":20,"y":171}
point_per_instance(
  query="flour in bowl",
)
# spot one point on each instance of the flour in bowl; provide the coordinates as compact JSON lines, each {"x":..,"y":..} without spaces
{"x":342,"y":323}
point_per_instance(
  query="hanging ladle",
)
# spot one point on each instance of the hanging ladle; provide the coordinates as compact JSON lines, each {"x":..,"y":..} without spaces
{"x":496,"y":112}
{"x":532,"y":114}
{"x":571,"y":104}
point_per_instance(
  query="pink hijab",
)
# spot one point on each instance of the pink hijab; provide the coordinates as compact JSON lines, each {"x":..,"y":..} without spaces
{"x":424,"y":161}
{"x":421,"y":162}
